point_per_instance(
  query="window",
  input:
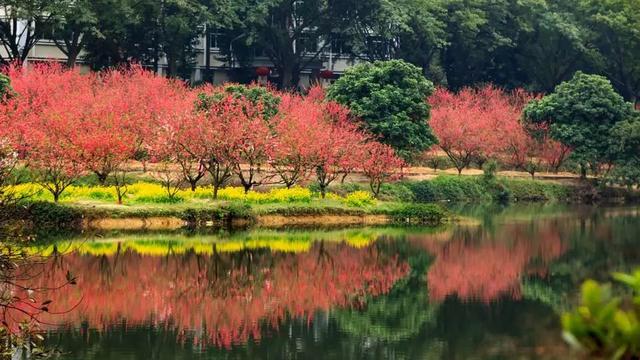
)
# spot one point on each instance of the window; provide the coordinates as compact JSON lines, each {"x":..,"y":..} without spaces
{"x":377,"y":45}
{"x":217,"y":40}
{"x":340,"y":46}
{"x":307,"y":43}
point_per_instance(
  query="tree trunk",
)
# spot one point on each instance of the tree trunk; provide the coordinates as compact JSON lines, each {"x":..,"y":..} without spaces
{"x":102,"y":177}
{"x":72,"y":58}
{"x":583,"y":171}
{"x":289,"y":77}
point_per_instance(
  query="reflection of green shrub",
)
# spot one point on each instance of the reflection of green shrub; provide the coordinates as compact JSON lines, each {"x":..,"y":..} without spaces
{"x":606,"y":325}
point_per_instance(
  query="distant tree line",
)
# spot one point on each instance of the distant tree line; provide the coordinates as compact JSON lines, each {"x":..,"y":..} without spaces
{"x":534,"y":44}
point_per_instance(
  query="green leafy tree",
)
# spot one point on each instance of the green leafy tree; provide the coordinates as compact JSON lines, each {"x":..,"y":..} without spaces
{"x":614,"y":31}
{"x":483,"y":38}
{"x":5,"y":87}
{"x":23,"y":23}
{"x":78,"y":22}
{"x":582,"y":113}
{"x":412,"y":30}
{"x":556,"y":46}
{"x":625,"y":149}
{"x":390,"y":98}
{"x":258,"y":95}
{"x":292,"y":34}
{"x":148,"y":31}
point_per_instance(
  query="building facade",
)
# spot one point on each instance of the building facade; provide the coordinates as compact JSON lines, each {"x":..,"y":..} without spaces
{"x":213,"y":63}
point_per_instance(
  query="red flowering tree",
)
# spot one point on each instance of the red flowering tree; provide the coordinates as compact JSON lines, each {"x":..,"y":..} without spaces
{"x":379,"y":164}
{"x":474,"y":124}
{"x":203,"y":139}
{"x":459,"y":125}
{"x":250,"y":140}
{"x":554,"y":153}
{"x":336,"y":147}
{"x":298,"y":126}
{"x":47,"y":113}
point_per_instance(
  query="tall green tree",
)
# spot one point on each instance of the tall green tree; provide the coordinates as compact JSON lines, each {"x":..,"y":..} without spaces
{"x":78,"y":22}
{"x":581,"y":113}
{"x":292,"y":34}
{"x":390,"y":98}
{"x":615,"y":32}
{"x":148,"y":31}
{"x":483,"y":35}
{"x":413,"y":30}
{"x":625,"y":149}
{"x":555,"y":48}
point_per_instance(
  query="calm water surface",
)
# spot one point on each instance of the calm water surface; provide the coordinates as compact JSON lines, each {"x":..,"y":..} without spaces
{"x":485,"y":289}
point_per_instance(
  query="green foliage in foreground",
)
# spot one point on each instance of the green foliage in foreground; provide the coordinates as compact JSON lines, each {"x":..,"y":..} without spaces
{"x":605,"y":325}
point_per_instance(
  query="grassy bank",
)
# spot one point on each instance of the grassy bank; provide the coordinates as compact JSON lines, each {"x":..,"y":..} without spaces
{"x":479,"y":189}
{"x":88,"y":205}
{"x":401,"y":202}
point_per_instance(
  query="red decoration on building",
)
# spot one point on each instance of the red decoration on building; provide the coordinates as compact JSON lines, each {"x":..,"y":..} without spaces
{"x":263,"y":71}
{"x":326,"y":74}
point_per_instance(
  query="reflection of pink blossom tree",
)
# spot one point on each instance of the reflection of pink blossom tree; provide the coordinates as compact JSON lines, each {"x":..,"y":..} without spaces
{"x":488,"y":269}
{"x":195,"y":292}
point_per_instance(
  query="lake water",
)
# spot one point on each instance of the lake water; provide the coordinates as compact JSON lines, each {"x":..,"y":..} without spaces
{"x":485,"y":289}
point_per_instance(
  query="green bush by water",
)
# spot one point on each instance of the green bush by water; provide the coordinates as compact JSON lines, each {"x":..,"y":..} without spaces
{"x":485,"y":188}
{"x":427,"y":214}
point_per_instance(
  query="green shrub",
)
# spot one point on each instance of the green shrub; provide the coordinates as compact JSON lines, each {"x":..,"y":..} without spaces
{"x":340,"y":189}
{"x":450,"y":188}
{"x":605,"y":325}
{"x":44,"y":214}
{"x":396,"y":192}
{"x":490,"y":168}
{"x":228,"y":212}
{"x":429,"y":214}
{"x":531,"y":190}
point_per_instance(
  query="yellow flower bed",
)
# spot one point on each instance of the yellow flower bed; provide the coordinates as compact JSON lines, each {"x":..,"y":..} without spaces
{"x":145,"y":193}
{"x":359,"y":199}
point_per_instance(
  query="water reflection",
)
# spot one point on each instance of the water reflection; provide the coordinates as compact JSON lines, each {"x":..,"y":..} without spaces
{"x":491,"y":290}
{"x":219,"y":298}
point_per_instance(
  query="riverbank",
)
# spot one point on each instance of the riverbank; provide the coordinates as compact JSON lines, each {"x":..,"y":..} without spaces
{"x":79,"y":216}
{"x":414,"y":202}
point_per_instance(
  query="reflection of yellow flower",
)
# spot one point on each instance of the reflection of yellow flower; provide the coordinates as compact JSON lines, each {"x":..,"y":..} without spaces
{"x":178,"y":244}
{"x":358,"y":241}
